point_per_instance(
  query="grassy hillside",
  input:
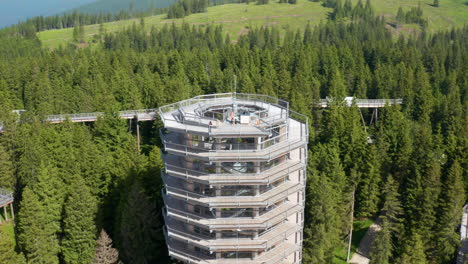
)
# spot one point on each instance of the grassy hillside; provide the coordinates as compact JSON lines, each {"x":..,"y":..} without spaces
{"x":450,"y":12}
{"x":234,"y":18}
{"x":237,"y":18}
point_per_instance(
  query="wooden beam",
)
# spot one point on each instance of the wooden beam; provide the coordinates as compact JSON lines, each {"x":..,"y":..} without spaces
{"x":5,"y":211}
{"x":12,"y":212}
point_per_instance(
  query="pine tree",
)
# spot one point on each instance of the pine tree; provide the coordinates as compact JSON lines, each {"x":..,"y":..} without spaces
{"x":76,"y":32}
{"x":337,"y":88}
{"x":78,"y":244}
{"x":450,"y":211}
{"x":105,"y":253}
{"x":81,"y":33}
{"x":382,"y":247}
{"x":50,"y":191}
{"x":367,"y":197}
{"x":413,"y":252}
{"x":7,"y":177}
{"x":321,"y":233}
{"x":34,"y":237}
{"x":139,"y":227}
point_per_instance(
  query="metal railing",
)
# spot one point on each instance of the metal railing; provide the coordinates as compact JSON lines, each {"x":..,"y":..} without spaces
{"x":362,"y":103}
{"x":143,"y":114}
{"x":264,"y":241}
{"x":5,"y":196}
{"x":265,"y":220}
{"x":219,"y":99}
{"x":219,"y":147}
{"x":263,"y":151}
{"x":265,"y":199}
{"x":267,"y":176}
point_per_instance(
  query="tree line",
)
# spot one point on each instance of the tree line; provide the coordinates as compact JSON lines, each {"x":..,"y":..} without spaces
{"x":183,"y":8}
{"x":413,"y":176}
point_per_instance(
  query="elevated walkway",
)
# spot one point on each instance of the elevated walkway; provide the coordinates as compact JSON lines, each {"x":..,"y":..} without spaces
{"x":362,"y":103}
{"x":151,"y":114}
{"x":6,"y":199}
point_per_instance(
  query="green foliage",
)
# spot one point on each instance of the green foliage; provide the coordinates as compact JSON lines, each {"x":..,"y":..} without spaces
{"x":323,"y":227}
{"x":140,"y":228}
{"x":79,"y":240}
{"x":8,"y":255}
{"x":381,"y":250}
{"x":7,"y":177}
{"x":414,"y":15}
{"x":383,"y":245}
{"x":421,"y":144}
{"x":35,"y":235}
{"x":184,"y":8}
{"x":449,"y":214}
{"x":414,"y":251}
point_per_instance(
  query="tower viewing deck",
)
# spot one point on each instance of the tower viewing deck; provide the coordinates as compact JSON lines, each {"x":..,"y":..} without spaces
{"x":234,"y":178}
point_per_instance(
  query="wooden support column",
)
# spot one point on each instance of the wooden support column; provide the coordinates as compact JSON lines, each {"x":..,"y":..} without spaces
{"x":12,"y":212}
{"x":138,"y":132}
{"x":5,"y":212}
{"x":362,"y":118}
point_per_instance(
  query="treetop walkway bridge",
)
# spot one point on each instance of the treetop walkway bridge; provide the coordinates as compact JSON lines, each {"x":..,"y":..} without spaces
{"x":6,"y":199}
{"x":151,"y":114}
{"x":362,"y":103}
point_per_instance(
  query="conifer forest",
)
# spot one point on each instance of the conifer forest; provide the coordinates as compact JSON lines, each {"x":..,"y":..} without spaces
{"x":91,"y":192}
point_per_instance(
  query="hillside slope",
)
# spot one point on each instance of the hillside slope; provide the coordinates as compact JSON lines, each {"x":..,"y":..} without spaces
{"x":237,"y":19}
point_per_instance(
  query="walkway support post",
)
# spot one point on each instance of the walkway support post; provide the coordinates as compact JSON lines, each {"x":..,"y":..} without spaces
{"x":12,"y":212}
{"x":138,"y":132}
{"x":5,"y":212}
{"x":351,"y":230}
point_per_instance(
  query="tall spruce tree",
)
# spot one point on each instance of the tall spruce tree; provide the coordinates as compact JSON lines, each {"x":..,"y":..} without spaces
{"x":7,"y":177}
{"x":383,"y":246}
{"x":413,"y":252}
{"x":450,"y":211}
{"x":139,"y":227}
{"x":79,"y":226}
{"x":35,"y":239}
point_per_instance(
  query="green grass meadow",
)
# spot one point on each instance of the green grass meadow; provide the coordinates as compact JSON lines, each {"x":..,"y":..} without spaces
{"x":236,"y":19}
{"x":9,"y":230}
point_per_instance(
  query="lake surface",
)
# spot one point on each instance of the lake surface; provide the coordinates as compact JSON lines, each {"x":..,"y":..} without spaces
{"x":14,"y":11}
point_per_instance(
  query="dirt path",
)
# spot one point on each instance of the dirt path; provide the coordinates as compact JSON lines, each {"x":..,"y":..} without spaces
{"x":362,"y":254}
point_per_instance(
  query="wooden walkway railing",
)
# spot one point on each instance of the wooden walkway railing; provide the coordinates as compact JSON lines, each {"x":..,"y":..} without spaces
{"x":6,"y":198}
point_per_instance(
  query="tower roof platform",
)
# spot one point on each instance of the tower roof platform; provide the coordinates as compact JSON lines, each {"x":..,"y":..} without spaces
{"x":228,"y":114}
